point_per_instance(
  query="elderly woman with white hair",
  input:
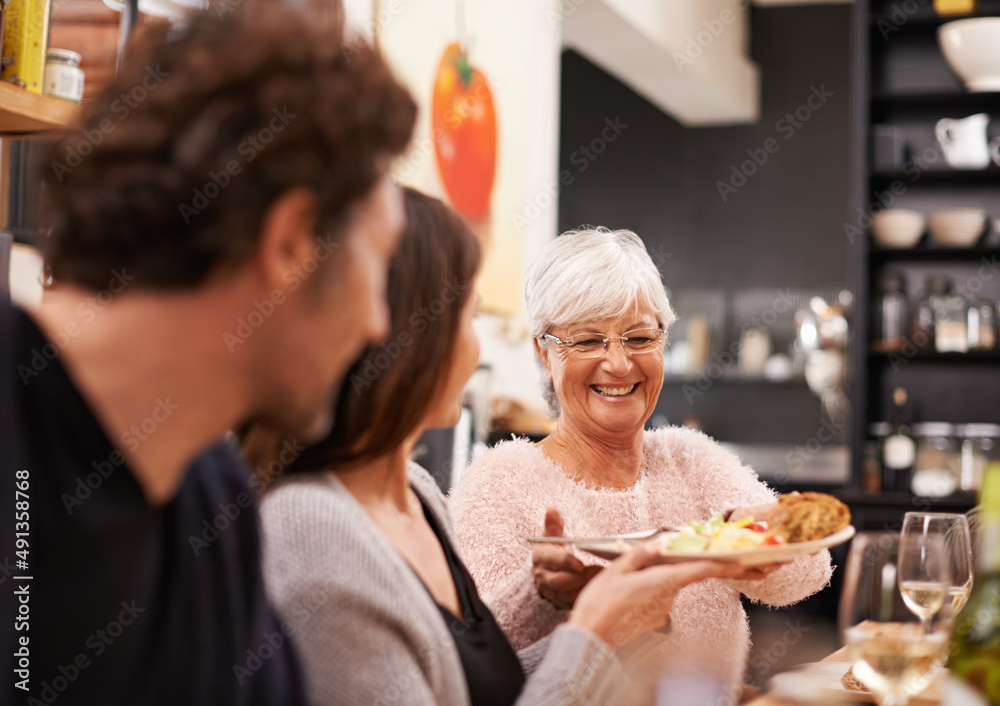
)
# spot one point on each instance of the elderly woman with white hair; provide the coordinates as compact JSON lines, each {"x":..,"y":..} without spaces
{"x":599,"y":316}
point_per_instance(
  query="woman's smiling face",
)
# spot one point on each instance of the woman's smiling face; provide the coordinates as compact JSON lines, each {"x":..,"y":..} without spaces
{"x":613,"y":394}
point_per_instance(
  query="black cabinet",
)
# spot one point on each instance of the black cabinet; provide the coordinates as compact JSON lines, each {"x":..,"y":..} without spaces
{"x":904,"y":87}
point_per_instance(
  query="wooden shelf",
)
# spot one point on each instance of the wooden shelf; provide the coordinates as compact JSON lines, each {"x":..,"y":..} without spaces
{"x":23,"y":111}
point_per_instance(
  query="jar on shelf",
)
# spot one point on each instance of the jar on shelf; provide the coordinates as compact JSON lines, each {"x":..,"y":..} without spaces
{"x":891,"y":314}
{"x":936,"y":470}
{"x":982,"y":325}
{"x":979,"y":445}
{"x":951,"y":317}
{"x":63,"y":75}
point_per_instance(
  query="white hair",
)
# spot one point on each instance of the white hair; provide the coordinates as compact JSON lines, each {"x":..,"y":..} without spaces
{"x":587,"y":275}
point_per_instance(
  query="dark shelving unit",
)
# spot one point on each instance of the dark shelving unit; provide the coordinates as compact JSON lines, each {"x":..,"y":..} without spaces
{"x":904,"y":82}
{"x":928,"y":252}
{"x":990,"y":175}
{"x":935,"y":100}
{"x":931,"y":357}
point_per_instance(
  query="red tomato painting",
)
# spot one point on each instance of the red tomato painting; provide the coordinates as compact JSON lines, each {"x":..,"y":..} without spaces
{"x":464,"y":126}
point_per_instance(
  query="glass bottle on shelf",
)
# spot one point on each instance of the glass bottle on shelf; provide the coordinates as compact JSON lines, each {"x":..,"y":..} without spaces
{"x":936,"y":469}
{"x":898,"y":450}
{"x":891,"y":312}
{"x":871,"y":469}
{"x":979,"y":446}
{"x":982,"y":325}
{"x":922,"y":329}
{"x":951,"y":320}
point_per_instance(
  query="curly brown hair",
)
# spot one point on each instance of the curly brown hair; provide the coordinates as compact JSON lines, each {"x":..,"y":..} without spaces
{"x":178,"y":160}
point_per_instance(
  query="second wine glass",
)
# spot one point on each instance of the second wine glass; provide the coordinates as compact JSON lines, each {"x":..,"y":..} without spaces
{"x":919,"y":566}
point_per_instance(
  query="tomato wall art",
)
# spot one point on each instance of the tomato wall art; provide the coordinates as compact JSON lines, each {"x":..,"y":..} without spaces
{"x":464,"y":125}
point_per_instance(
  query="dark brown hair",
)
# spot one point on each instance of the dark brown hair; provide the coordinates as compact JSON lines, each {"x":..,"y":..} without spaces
{"x":390,"y":388}
{"x":178,"y":160}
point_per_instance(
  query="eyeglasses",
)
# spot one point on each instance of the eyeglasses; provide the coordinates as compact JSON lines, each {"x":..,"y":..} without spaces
{"x":595,"y":345}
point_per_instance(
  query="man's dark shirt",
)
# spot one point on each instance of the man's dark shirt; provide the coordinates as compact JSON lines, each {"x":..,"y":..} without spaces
{"x":129,"y":604}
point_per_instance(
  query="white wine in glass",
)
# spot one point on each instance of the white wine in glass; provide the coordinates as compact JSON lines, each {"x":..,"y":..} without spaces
{"x":924,"y":598}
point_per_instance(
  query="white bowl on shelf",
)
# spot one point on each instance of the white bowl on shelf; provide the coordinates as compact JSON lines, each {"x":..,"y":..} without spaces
{"x":897,"y":228}
{"x":972,"y":49}
{"x":957,"y":227}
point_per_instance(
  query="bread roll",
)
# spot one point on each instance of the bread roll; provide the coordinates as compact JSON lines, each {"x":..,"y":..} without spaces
{"x":803,"y":517}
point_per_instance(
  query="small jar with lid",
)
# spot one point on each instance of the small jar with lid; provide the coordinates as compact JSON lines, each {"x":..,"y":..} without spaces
{"x":63,"y":75}
{"x":951,"y":320}
{"x":936,"y":469}
{"x":979,"y":445}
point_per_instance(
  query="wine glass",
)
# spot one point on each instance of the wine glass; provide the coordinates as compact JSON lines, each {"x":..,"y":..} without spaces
{"x":892,"y":654}
{"x":953,"y":528}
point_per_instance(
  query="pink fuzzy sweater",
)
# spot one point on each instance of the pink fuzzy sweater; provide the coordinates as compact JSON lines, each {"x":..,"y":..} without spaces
{"x":502,"y":498}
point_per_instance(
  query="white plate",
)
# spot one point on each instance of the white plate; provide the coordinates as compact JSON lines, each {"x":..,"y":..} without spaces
{"x":745,"y":557}
{"x":819,"y":682}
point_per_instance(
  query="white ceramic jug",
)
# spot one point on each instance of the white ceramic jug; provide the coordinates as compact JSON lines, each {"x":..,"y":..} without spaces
{"x":964,"y":141}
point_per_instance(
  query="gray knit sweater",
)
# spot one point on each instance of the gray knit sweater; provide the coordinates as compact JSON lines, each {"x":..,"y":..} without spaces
{"x":367,"y":629}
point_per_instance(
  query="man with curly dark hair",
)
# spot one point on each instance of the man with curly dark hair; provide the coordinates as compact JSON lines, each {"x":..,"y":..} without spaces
{"x":223,"y":222}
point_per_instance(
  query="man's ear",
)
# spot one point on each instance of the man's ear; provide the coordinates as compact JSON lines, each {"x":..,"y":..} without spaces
{"x":287,"y":235}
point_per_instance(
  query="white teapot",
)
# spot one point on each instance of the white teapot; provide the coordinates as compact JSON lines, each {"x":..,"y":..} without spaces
{"x":964,"y":141}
